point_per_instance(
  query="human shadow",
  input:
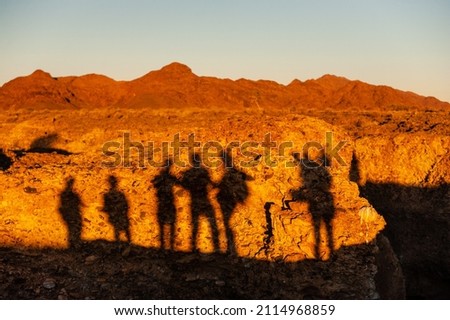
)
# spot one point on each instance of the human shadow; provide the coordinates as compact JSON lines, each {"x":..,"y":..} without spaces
{"x":196,"y":180}
{"x":354,"y":174}
{"x":70,"y":210}
{"x":164,"y":183}
{"x":232,"y":191}
{"x":5,"y":161}
{"x":97,"y":269}
{"x":315,"y":191}
{"x":116,"y":207}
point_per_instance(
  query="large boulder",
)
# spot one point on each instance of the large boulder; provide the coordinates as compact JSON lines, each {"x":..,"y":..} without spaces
{"x":57,"y":200}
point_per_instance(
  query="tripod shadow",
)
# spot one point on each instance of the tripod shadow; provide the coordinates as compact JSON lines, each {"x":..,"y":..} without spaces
{"x":70,"y":210}
{"x":232,"y":191}
{"x":196,"y":180}
{"x":164,"y":183}
{"x":316,"y":192}
{"x":116,"y":206}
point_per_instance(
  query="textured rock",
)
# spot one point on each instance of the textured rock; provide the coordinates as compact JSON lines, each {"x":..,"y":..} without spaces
{"x":243,"y":223}
{"x":38,"y":221}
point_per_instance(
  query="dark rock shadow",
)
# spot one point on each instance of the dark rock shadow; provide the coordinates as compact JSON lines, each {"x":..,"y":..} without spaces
{"x":43,"y":144}
{"x":417,"y":224}
{"x":5,"y":161}
{"x":116,"y":207}
{"x":98,"y":270}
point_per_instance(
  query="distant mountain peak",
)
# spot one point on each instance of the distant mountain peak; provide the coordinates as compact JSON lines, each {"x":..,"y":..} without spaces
{"x":330,"y":76}
{"x":173,"y":71}
{"x":40,"y":74}
{"x":295,"y":83}
{"x":332,"y":81}
{"x":177,"y":68}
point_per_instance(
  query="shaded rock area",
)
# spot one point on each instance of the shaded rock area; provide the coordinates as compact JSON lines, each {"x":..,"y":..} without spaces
{"x":407,"y":181}
{"x":105,"y":270}
{"x":389,"y":279}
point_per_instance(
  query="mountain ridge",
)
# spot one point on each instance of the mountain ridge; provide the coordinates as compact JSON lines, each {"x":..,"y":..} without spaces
{"x":176,"y":85}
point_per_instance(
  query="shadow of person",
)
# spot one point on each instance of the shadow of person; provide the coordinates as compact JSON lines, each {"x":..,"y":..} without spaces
{"x":116,"y":206}
{"x":354,"y":173}
{"x":315,"y":191}
{"x":164,"y":183}
{"x":196,"y":180}
{"x":232,"y":190}
{"x":70,"y":210}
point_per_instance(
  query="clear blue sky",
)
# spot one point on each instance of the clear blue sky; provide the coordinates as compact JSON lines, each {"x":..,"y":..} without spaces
{"x":404,"y":44}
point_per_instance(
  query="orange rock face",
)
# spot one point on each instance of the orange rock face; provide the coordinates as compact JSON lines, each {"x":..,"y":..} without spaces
{"x":229,"y":208}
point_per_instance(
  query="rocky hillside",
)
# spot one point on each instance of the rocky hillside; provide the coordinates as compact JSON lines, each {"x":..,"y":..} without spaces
{"x":176,"y":85}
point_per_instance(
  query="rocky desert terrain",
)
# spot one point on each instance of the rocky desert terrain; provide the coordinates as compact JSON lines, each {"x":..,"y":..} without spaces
{"x":178,"y":186}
